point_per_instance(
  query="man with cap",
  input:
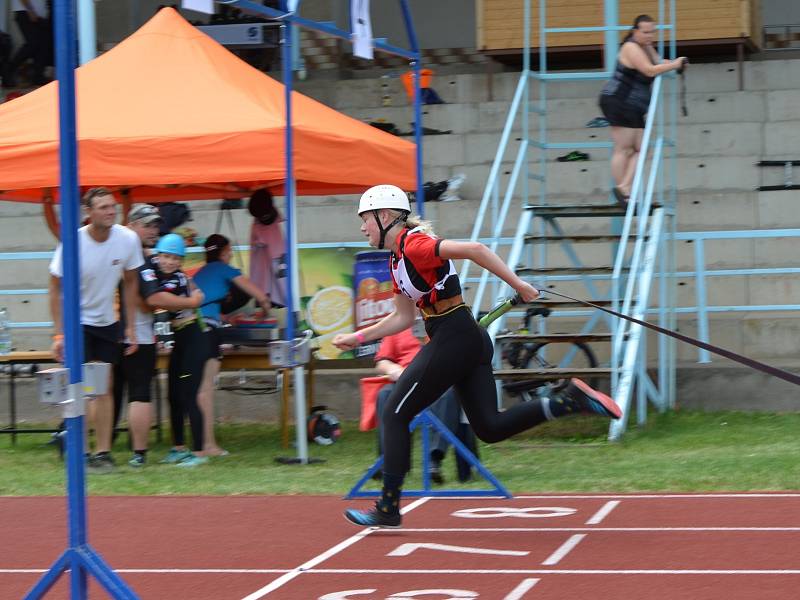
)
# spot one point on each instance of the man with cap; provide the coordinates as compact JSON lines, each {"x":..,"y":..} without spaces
{"x":136,"y":370}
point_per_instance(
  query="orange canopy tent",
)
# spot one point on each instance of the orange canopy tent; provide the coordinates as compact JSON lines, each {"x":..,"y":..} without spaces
{"x":169,"y":114}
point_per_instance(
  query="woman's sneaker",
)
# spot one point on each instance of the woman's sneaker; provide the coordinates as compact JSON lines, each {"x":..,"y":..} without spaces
{"x":192,"y":461}
{"x":579,"y":397}
{"x":175,"y":456}
{"x":373,"y":518}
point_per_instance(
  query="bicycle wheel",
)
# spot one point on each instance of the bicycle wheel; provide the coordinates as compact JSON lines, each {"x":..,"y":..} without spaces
{"x":546,"y":355}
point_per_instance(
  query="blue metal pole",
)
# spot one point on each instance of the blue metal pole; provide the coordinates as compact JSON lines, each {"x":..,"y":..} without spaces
{"x":286,"y":58}
{"x":418,"y":137}
{"x":611,"y":38}
{"x":292,"y":299}
{"x":417,"y":65}
{"x":87,"y":31}
{"x":64,"y":20}
{"x":70,"y":207}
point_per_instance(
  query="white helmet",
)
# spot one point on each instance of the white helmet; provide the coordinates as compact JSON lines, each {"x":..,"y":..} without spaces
{"x":383,"y":196}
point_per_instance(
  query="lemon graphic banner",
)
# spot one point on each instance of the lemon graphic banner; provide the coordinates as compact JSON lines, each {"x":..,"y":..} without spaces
{"x":326,"y":292}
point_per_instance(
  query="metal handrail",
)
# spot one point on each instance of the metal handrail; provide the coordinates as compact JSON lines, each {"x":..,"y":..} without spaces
{"x":492,"y":183}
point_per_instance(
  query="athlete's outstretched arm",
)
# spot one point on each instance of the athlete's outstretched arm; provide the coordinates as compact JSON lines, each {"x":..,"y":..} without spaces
{"x":482,"y":256}
{"x":402,"y":317}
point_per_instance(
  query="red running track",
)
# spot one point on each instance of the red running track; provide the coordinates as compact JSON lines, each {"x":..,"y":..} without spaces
{"x":600,"y":547}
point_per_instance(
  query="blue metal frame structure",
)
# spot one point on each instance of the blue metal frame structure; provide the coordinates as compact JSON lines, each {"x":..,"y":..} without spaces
{"x":623,"y":290}
{"x":79,"y":558}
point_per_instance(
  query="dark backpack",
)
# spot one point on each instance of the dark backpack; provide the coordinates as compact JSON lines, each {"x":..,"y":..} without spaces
{"x":173,"y":214}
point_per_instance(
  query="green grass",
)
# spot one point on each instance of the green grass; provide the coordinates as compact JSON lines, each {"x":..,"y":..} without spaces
{"x":683,"y":451}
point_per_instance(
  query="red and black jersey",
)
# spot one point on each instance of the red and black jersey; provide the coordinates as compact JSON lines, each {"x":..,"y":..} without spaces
{"x":419,"y":272}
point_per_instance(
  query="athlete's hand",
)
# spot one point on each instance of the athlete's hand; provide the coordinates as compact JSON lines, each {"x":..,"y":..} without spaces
{"x":395,"y":373}
{"x":346,"y":341}
{"x":57,"y":349}
{"x":527,"y":292}
{"x":132,"y":347}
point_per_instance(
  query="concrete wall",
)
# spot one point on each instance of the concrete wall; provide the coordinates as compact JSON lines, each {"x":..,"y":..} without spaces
{"x":780,"y":12}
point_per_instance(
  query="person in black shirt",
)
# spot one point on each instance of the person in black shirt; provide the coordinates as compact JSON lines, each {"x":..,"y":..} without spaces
{"x":188,"y":356}
{"x":625,"y":99}
{"x":135,"y":372}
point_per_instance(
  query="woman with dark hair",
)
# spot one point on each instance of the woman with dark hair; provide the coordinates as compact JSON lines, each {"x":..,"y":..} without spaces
{"x":267,"y":247}
{"x":217,"y":279}
{"x":625,"y":99}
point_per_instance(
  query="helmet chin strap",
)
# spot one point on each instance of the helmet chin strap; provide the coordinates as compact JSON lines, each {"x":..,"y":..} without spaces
{"x":400,"y":219}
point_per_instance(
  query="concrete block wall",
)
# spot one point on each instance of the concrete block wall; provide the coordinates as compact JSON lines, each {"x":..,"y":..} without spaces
{"x":726,"y":133}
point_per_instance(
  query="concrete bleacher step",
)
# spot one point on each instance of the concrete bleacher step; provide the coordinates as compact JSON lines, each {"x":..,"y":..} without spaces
{"x":550,"y":374}
{"x":562,"y":304}
{"x":577,"y":210}
{"x":544,"y":271}
{"x":552,"y":338}
{"x":575,"y":239}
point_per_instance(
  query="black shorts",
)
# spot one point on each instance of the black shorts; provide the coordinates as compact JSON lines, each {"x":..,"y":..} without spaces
{"x":213,"y":338}
{"x":138,"y":370}
{"x":103,"y":344}
{"x":620,"y":114}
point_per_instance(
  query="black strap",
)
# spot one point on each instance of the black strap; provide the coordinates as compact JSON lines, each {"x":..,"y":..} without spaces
{"x":684,"y":110}
{"x":749,"y":362}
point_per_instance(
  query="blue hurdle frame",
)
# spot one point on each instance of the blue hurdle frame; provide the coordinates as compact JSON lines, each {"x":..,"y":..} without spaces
{"x":426,"y":421}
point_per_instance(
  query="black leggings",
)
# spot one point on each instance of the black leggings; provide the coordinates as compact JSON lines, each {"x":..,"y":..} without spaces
{"x":185,"y":376}
{"x":459,"y":355}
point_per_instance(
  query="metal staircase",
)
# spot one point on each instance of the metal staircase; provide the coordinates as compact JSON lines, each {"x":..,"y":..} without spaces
{"x":631,"y":242}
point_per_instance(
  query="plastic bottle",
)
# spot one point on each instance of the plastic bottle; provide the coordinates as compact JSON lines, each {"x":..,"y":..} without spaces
{"x":5,"y":332}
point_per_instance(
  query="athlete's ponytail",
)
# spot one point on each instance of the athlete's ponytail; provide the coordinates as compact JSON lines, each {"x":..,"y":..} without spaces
{"x":416,"y":222}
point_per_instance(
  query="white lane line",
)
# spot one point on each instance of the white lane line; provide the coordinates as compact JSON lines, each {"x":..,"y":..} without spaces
{"x":655,"y":496}
{"x":587,"y":529}
{"x":519,"y":591}
{"x":603,"y":512}
{"x":164,"y":571}
{"x":445,"y":571}
{"x":556,"y":571}
{"x":565,"y":549}
{"x":287,"y":577}
{"x":407,"y":549}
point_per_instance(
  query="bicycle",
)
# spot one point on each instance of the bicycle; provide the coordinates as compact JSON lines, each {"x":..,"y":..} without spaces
{"x":521,"y":353}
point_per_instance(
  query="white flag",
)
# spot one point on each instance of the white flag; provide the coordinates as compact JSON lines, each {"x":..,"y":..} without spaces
{"x":362,"y":28}
{"x":204,"y":6}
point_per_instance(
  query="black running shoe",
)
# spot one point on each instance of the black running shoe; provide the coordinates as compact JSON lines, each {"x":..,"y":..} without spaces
{"x":373,"y":518}
{"x":435,"y":471}
{"x":100,"y":464}
{"x":579,"y":396}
